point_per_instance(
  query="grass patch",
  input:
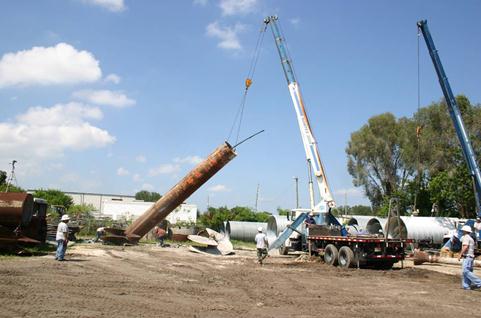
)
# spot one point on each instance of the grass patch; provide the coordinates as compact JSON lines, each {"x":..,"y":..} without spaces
{"x":243,"y":245}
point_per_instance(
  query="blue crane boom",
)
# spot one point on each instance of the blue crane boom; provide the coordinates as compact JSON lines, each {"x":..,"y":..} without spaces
{"x":455,"y":114}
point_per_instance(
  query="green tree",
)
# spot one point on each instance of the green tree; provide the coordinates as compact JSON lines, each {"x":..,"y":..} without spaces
{"x":147,"y":196}
{"x":3,"y":177}
{"x":376,"y":158}
{"x":215,"y":217}
{"x":81,"y":211}
{"x":282,"y":211}
{"x":54,"y":197}
{"x":11,"y":188}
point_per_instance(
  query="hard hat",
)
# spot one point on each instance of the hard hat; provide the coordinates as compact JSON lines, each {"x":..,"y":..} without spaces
{"x":466,"y":228}
{"x":478,"y":219}
{"x":259,"y":229}
{"x":65,"y":217}
{"x":311,"y":213}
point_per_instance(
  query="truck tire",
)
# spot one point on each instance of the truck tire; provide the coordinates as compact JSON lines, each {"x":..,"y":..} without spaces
{"x":346,"y":257}
{"x":331,"y":255}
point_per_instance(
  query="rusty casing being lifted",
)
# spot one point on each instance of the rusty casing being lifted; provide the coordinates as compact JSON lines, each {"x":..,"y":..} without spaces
{"x":180,"y":192}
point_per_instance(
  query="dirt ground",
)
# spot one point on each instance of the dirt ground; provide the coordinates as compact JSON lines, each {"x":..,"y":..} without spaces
{"x":148,"y":281}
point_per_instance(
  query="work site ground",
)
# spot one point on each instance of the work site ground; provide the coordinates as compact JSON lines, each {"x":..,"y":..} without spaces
{"x":149,"y":281}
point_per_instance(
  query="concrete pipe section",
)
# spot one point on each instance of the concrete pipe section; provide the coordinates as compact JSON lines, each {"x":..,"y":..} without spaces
{"x":244,"y":231}
{"x":275,"y":225}
{"x":420,"y":228}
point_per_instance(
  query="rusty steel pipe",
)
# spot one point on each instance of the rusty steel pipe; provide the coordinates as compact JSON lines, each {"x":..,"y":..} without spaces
{"x":421,"y":257}
{"x":180,"y":192}
{"x":15,"y":208}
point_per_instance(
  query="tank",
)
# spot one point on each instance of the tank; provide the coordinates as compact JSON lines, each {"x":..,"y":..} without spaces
{"x":16,"y":209}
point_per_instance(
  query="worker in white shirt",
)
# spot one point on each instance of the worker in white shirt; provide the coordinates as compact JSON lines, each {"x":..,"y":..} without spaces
{"x":469,"y":280}
{"x":62,"y":238}
{"x":261,"y":245}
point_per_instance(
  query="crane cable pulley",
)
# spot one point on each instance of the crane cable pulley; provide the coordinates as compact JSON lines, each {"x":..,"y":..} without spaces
{"x":248,"y":82}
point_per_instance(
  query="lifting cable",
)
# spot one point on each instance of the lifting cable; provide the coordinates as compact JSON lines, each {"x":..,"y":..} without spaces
{"x":240,"y":112}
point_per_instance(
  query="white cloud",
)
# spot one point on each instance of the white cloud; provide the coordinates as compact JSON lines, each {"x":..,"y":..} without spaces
{"x":122,"y":172}
{"x":140,"y":158}
{"x":46,"y":132}
{"x":112,"y":78}
{"x":111,"y":5}
{"x":218,"y":188}
{"x":234,"y":7}
{"x":227,"y":35}
{"x":201,"y":2}
{"x":164,"y":169}
{"x":147,"y":186}
{"x":193,"y":160}
{"x":60,"y":64}
{"x":136,"y":178}
{"x":104,"y":97}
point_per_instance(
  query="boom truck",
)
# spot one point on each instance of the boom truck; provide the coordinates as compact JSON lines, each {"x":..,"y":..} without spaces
{"x":459,"y":127}
{"x":327,"y":237}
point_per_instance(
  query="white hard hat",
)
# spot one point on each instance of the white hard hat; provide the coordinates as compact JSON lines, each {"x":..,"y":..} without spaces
{"x":259,"y":229}
{"x":466,"y":228}
{"x":65,"y":217}
{"x":311,"y":213}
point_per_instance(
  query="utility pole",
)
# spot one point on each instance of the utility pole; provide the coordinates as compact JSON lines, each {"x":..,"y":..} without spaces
{"x":257,"y":196}
{"x":296,"y":179}
{"x":12,"y":177}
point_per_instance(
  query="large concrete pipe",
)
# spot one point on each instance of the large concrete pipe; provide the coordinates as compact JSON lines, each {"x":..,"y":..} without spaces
{"x":15,"y":209}
{"x":359,"y":220}
{"x":244,"y":231}
{"x":180,"y":192}
{"x":275,"y":225}
{"x":420,"y":228}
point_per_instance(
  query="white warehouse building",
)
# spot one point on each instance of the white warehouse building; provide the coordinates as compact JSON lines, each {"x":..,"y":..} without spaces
{"x":120,"y":206}
{"x":132,"y":210}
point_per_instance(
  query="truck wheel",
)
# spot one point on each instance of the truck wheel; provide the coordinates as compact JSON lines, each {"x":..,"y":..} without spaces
{"x":346,"y":257}
{"x":331,"y":254}
{"x":283,"y":250}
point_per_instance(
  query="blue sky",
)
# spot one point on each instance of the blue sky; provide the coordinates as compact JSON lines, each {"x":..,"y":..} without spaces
{"x":116,"y":96}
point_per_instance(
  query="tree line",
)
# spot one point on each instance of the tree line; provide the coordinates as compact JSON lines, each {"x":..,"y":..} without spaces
{"x":416,"y":159}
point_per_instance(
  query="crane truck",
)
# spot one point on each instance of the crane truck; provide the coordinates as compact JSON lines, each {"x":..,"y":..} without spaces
{"x":459,"y":127}
{"x":327,"y":237}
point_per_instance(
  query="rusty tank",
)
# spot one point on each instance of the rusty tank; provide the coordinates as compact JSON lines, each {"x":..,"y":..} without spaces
{"x":16,"y":209}
{"x":180,"y":192}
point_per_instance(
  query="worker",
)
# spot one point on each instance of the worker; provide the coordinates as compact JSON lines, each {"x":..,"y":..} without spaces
{"x":468,"y":279}
{"x":99,"y":233}
{"x":62,"y":238}
{"x":160,"y":235}
{"x":310,"y":219}
{"x":261,"y":245}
